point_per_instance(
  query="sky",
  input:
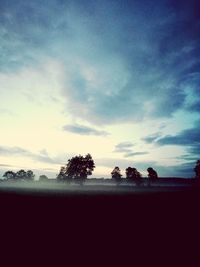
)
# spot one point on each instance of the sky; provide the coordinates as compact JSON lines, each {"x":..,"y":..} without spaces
{"x":117,"y":79}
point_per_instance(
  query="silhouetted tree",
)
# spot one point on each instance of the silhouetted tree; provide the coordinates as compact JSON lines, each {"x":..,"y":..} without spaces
{"x":78,"y":168}
{"x":21,"y":174}
{"x":43,"y":178}
{"x":29,"y":175}
{"x":152,"y":174}
{"x":197,"y":169}
{"x":133,"y":175}
{"x":129,"y":173}
{"x":62,"y":174}
{"x":116,"y":174}
{"x":9,"y":175}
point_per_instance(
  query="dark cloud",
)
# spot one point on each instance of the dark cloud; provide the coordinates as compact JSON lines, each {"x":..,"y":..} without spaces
{"x":188,"y":137}
{"x":151,"y":138}
{"x":195,"y":107}
{"x":192,"y":83}
{"x":83,"y":130}
{"x":195,"y":150}
{"x":153,"y":55}
{"x":124,"y":60}
{"x":185,"y":169}
{"x":187,"y":157}
{"x":26,"y":30}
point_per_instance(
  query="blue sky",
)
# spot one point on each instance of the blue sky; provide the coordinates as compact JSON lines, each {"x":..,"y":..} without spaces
{"x":118,"y":79}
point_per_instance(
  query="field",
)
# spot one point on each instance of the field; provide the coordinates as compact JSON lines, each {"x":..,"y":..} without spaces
{"x":101,"y":213}
{"x":96,"y":187}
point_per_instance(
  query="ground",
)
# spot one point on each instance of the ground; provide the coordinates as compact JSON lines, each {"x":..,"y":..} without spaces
{"x":95,"y":186}
{"x":98,"y":218}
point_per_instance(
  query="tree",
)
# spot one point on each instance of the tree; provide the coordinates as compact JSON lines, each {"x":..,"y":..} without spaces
{"x":129,"y":173}
{"x":62,"y":174}
{"x":9,"y":175}
{"x":152,"y":174}
{"x":132,"y":174}
{"x":43,"y":178}
{"x":29,"y":175}
{"x":116,"y":174}
{"x":21,"y":174}
{"x":197,"y":169}
{"x":78,"y":167}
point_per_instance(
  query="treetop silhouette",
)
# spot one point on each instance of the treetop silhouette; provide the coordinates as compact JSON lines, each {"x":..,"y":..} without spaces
{"x":152,"y":174}
{"x":78,"y":167}
{"x":197,"y":169}
{"x":132,"y":174}
{"x":21,"y":174}
{"x":116,"y":174}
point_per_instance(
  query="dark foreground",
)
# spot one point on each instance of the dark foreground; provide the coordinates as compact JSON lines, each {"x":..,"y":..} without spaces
{"x":98,"y":222}
{"x":80,"y":206}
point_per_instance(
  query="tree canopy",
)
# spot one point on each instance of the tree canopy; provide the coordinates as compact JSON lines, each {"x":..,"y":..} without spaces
{"x":21,"y":174}
{"x":116,"y":174}
{"x":132,"y":173}
{"x":78,"y":167}
{"x":152,"y":174}
{"x":9,"y":175}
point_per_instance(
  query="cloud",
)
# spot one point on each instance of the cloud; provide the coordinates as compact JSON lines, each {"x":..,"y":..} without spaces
{"x":123,"y":163}
{"x":132,"y":154}
{"x":20,"y":152}
{"x":195,"y":107}
{"x":145,"y":74}
{"x":117,"y":68}
{"x":123,"y":147}
{"x":187,"y":157}
{"x":189,"y":138}
{"x":195,"y":150}
{"x":126,"y":147}
{"x":180,"y":170}
{"x":26,"y":31}
{"x":151,"y":138}
{"x":191,"y":83}
{"x":83,"y":130}
{"x":6,"y":165}
{"x":13,"y":151}
{"x":184,"y":170}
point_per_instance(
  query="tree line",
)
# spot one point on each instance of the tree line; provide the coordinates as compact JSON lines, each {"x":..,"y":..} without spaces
{"x":19,"y":175}
{"x":78,"y":168}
